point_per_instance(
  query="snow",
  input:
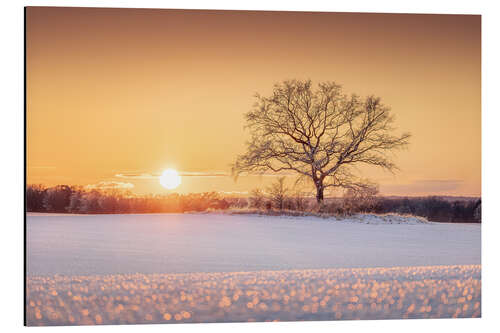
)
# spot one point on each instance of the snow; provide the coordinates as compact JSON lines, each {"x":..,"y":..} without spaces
{"x":182,"y":243}
{"x":325,"y":294}
{"x":387,"y":219}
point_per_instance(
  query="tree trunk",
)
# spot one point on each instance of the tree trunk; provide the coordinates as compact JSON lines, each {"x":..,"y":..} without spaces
{"x":319,"y":191}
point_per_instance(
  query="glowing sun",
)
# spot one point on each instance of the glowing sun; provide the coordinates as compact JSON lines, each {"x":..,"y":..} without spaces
{"x":170,"y":179}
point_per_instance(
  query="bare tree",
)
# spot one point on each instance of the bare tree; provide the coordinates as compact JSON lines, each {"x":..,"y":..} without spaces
{"x":319,"y":134}
{"x":257,"y":198}
{"x":277,"y":192}
{"x":299,"y":199}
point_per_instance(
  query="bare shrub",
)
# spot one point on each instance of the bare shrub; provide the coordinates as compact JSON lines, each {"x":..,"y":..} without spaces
{"x":360,"y":199}
{"x":257,"y":198}
{"x":277,"y":193}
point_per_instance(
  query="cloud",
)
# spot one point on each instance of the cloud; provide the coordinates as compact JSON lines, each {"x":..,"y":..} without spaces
{"x":233,"y":192}
{"x":424,"y":186}
{"x":278,"y":174}
{"x":155,"y":175}
{"x":181,"y":173}
{"x":137,"y":176}
{"x":204,"y":174}
{"x":109,"y":185}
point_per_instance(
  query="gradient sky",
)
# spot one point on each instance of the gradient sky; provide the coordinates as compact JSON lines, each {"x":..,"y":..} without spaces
{"x":118,"y":95}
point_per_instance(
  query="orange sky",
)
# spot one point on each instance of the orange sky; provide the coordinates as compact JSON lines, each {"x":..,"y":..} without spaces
{"x":118,"y":95}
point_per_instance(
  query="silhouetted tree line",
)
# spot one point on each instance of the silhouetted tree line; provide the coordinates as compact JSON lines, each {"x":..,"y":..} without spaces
{"x":66,"y":199}
{"x":433,"y":208}
{"x":278,"y":197}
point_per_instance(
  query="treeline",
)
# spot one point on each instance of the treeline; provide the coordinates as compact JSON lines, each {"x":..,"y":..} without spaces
{"x":433,"y":208}
{"x":78,"y":200}
{"x":277,"y":198}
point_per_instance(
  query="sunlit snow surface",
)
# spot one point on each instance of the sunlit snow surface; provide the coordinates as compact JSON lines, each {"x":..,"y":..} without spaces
{"x":83,"y":269}
{"x":329,"y":294}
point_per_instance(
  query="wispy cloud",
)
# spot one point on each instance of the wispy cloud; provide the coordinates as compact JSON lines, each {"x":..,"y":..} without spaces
{"x":109,"y":185}
{"x":137,"y":175}
{"x":233,"y":192}
{"x":204,"y":174}
{"x":279,"y":174}
{"x":424,"y":186}
{"x":181,"y":173}
{"x":156,"y":175}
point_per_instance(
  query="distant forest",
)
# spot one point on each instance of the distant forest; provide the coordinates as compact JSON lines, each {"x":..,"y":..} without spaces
{"x":78,"y":200}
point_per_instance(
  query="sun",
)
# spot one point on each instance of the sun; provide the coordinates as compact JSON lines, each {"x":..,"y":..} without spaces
{"x":170,"y":179}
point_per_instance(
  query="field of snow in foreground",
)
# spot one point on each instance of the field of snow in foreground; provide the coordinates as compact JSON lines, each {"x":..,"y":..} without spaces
{"x":326,"y":294}
{"x":183,"y":243}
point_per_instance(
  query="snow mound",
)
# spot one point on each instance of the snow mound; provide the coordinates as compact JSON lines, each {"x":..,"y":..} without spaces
{"x":387,"y":219}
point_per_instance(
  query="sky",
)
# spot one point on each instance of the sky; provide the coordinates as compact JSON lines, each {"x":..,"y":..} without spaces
{"x":116,"y":96}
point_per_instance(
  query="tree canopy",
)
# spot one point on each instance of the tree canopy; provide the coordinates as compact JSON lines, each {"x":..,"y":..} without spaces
{"x":320,"y":134}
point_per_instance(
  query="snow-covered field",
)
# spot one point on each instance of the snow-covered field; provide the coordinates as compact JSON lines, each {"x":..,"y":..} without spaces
{"x":182,"y":243}
{"x":105,"y":269}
